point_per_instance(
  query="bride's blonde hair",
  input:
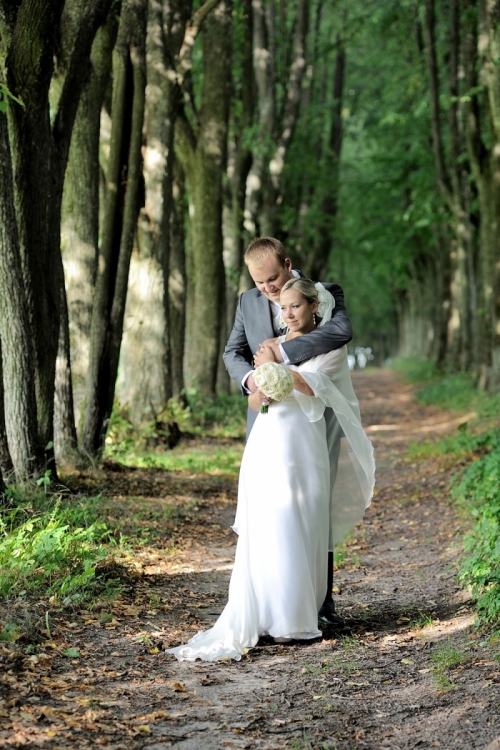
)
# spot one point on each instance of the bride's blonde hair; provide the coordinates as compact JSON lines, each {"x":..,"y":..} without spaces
{"x":308,"y":291}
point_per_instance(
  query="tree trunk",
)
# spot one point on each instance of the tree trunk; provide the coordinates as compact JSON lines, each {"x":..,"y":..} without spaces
{"x":6,"y":466}
{"x":18,"y":381}
{"x":129,"y":82}
{"x":239,"y":164}
{"x":80,"y":210}
{"x":203,"y":159}
{"x":177,"y":282}
{"x":317,"y":259}
{"x":39,"y":151}
{"x":148,"y":326}
{"x":65,"y":438}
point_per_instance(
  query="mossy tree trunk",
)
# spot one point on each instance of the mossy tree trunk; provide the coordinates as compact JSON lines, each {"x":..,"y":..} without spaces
{"x":18,"y":420}
{"x":148,"y":329}
{"x":80,"y":215}
{"x":177,"y":281}
{"x":121,"y":212}
{"x":29,"y":31}
{"x":202,"y":150}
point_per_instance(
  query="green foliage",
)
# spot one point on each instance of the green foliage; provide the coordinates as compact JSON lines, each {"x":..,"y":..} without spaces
{"x":217,"y":460}
{"x":456,"y":391}
{"x":451,"y":391}
{"x":446,"y":657}
{"x":5,"y":95}
{"x":479,"y":490}
{"x":414,"y":369}
{"x":220,"y":416}
{"x":49,"y":546}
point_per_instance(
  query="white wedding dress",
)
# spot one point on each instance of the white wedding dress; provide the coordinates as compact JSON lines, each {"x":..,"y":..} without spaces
{"x":286,"y":514}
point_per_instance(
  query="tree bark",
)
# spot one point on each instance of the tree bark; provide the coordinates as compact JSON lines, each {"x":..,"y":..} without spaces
{"x":239,"y":163}
{"x":203,"y":158}
{"x":80,"y":210}
{"x":18,"y":376}
{"x":177,"y":282}
{"x":275,"y":133}
{"x":148,"y":333}
{"x":65,"y":437}
{"x":317,"y":258}
{"x":129,"y":82}
{"x":39,"y":153}
{"x":6,"y":466}
{"x":452,"y":183}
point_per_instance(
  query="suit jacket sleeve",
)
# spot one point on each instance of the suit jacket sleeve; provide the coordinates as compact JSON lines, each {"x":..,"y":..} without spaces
{"x":333,"y":335}
{"x":237,"y":356}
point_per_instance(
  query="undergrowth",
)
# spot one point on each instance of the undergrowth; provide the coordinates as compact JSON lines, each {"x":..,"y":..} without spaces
{"x":475,"y":487}
{"x":193,"y":415}
{"x":51,"y":547}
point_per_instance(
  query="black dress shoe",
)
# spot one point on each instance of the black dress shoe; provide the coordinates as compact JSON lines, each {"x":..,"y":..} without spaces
{"x":328,"y":616}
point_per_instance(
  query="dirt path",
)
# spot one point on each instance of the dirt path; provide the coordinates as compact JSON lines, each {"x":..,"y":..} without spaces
{"x":407,"y":671}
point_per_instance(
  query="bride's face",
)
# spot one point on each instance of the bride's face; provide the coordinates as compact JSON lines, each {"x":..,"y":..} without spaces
{"x":297,"y":312}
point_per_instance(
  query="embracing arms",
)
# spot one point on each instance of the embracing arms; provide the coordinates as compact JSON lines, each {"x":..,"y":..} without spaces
{"x":333,"y":335}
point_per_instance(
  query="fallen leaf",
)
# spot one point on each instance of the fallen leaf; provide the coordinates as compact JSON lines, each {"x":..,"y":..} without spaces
{"x":179,"y":687}
{"x":144,"y":728}
{"x":407,"y":661}
{"x":72,"y":653}
{"x":424,"y":671}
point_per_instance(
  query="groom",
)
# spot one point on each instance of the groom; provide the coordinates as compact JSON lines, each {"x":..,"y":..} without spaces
{"x":257,"y":319}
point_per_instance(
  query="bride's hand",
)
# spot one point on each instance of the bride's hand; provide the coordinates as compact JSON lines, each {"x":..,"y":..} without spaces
{"x":256,"y":399}
{"x":263,"y":355}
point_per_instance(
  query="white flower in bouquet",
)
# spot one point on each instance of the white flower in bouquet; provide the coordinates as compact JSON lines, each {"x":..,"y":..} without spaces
{"x":274,"y":380}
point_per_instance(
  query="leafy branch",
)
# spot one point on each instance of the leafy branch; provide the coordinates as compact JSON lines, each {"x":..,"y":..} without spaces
{"x":5,"y":95}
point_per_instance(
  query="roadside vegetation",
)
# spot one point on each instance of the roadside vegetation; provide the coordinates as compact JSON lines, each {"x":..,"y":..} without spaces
{"x":475,"y":486}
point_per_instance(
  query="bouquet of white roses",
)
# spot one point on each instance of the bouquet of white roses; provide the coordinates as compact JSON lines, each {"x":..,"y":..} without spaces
{"x":274,"y":380}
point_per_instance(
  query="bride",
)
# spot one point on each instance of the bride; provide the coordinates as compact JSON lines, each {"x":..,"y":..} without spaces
{"x":287,"y":516}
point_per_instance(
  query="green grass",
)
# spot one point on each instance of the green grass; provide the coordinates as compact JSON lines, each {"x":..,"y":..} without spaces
{"x":475,"y":486}
{"x":422,"y":621}
{"x":445,"y":658}
{"x":50,"y":545}
{"x":195,"y":414}
{"x":414,"y":369}
{"x":208,"y":460}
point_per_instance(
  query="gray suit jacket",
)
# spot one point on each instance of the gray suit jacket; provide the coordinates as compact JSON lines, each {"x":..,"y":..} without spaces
{"x":253,"y":324}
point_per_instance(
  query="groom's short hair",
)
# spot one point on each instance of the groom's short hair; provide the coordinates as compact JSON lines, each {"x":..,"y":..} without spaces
{"x":262,"y":248}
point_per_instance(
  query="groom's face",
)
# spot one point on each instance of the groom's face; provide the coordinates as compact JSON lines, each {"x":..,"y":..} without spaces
{"x":270,"y":276}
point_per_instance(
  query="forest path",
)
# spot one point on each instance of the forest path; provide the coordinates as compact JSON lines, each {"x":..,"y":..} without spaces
{"x":407,"y":671}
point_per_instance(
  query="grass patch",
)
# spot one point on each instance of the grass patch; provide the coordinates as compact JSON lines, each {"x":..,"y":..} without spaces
{"x":457,"y":391}
{"x":476,"y":484}
{"x":50,"y":546}
{"x":216,"y":460}
{"x":475,"y":487}
{"x":221,"y":416}
{"x":422,"y":621}
{"x":478,"y":491}
{"x":413,"y":369}
{"x":445,"y":658}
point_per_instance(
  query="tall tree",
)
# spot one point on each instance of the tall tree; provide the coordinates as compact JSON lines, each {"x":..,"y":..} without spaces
{"x":18,"y":422}
{"x":277,"y":119}
{"x":148,"y":330}
{"x":80,"y":211}
{"x":121,"y":212}
{"x":483,"y":138}
{"x":201,"y":146}
{"x":39,"y":147}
